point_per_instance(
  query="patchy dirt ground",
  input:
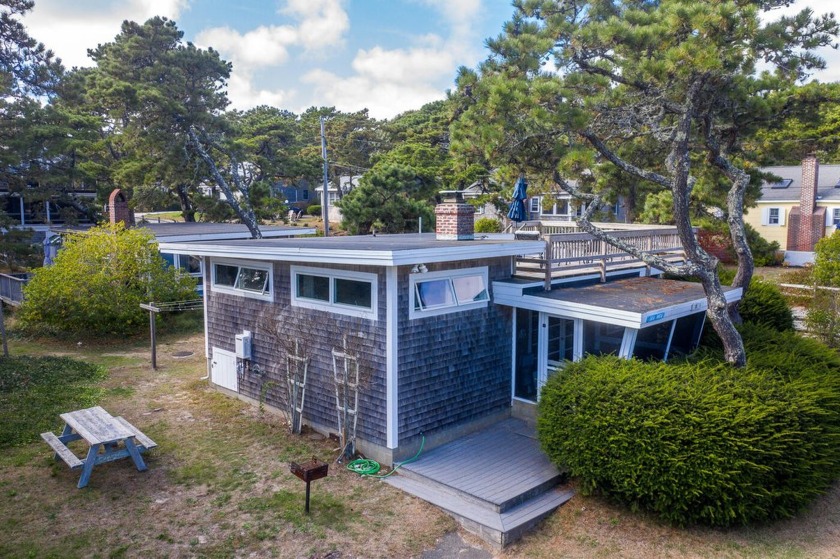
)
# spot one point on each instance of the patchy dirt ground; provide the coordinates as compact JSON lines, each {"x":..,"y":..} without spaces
{"x":219,"y":486}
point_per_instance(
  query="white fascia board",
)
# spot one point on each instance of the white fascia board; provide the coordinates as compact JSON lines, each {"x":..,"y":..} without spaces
{"x":229,"y":236}
{"x":776,"y":202}
{"x":515,"y":298}
{"x":359,"y":257}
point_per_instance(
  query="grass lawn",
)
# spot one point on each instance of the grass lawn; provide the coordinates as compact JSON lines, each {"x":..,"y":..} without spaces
{"x":219,"y":486}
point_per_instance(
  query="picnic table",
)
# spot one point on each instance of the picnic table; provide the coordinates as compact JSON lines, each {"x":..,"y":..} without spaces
{"x":110,"y":438}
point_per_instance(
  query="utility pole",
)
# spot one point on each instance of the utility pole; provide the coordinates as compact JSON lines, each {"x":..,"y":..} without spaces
{"x":325,"y":199}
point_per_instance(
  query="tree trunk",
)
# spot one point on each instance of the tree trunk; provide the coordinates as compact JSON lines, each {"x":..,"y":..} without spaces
{"x":187,"y":209}
{"x":245,"y":213}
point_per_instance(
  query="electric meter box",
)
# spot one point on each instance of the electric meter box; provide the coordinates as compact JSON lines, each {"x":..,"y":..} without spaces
{"x":243,"y":345}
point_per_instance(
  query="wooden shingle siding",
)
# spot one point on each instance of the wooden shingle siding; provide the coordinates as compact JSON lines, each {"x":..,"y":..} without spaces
{"x":453,"y":368}
{"x":229,"y":315}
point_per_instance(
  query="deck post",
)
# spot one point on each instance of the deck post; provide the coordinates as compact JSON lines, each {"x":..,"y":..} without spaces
{"x":547,"y":255}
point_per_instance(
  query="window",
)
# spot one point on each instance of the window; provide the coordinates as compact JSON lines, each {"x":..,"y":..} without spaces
{"x":835,"y":216}
{"x":602,"y":339}
{"x":773,"y":216}
{"x":305,"y":194}
{"x":336,"y":291}
{"x":535,"y":204}
{"x":448,"y":291}
{"x":246,"y":279}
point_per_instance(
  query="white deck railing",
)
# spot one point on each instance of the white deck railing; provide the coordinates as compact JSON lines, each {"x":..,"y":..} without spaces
{"x":573,"y":253}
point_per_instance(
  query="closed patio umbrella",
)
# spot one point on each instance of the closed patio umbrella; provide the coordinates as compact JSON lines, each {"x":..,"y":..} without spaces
{"x":517,"y":206}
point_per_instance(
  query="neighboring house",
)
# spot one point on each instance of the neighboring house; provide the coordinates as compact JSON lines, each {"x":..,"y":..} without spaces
{"x":562,"y":206}
{"x":180,"y":232}
{"x":346,"y":183}
{"x":799,"y":209}
{"x":296,"y":194}
{"x":29,"y":210}
{"x":451,"y":333}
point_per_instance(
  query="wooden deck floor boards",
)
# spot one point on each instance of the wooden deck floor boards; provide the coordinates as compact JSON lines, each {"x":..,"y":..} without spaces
{"x":495,"y":465}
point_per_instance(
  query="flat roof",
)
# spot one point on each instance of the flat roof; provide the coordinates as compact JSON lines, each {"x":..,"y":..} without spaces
{"x":381,"y":250}
{"x":635,"y":302}
{"x":200,"y":231}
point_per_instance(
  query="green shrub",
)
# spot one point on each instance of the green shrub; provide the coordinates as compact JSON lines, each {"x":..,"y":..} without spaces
{"x":97,"y":283}
{"x":700,"y":441}
{"x":827,"y":260}
{"x":765,"y":304}
{"x":314,"y":210}
{"x":488,"y":225}
{"x":34,"y":390}
{"x":823,"y":318}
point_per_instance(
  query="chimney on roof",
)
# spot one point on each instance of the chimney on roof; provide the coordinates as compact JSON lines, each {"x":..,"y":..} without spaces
{"x":118,"y":209}
{"x":810,"y":179}
{"x":806,"y":224}
{"x":454,"y":219}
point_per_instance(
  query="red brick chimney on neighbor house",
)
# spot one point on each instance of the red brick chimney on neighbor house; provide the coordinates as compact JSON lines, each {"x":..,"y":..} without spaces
{"x":118,"y":209}
{"x":454,"y":218}
{"x":806,"y":224}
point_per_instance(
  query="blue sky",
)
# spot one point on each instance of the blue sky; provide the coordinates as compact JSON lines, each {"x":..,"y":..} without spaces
{"x":388,"y":56}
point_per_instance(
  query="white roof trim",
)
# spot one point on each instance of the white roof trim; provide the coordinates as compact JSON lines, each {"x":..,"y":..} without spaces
{"x":385,"y":257}
{"x":231,"y":236}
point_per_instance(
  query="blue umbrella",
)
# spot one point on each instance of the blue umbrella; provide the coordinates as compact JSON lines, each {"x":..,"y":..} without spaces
{"x":517,"y":206}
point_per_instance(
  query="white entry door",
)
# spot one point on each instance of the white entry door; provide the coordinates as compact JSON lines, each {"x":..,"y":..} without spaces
{"x":223,"y":369}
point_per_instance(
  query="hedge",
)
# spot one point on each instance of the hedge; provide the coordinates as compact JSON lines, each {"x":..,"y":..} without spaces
{"x":700,"y":441}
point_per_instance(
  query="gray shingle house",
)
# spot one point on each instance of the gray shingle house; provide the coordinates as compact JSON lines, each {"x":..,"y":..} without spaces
{"x":450,"y":332}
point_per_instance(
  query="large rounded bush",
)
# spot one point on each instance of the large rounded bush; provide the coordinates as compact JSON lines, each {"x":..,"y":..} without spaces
{"x":700,"y":442}
{"x":765,"y":304}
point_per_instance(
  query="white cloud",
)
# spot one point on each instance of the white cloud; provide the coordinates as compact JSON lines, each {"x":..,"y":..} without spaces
{"x":323,"y":23}
{"x":260,"y":47}
{"x":244,"y":95}
{"x":383,"y":99}
{"x":830,"y":55}
{"x":70,"y":28}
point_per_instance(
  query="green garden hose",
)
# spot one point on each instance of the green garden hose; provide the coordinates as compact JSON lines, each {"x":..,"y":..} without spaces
{"x":369,"y":468}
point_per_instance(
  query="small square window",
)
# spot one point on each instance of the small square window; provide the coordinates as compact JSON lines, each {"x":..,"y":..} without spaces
{"x":313,"y":287}
{"x":835,"y":218}
{"x":251,"y":279}
{"x":352,"y":292}
{"x":469,"y":289}
{"x":773,"y":216}
{"x":226,"y":275}
{"x":434,"y":294}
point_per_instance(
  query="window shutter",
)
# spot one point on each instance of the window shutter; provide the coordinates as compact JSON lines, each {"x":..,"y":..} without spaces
{"x":781,"y":216}
{"x":765,"y":216}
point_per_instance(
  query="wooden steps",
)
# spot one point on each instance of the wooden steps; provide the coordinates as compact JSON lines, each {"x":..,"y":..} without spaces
{"x":497,"y":483}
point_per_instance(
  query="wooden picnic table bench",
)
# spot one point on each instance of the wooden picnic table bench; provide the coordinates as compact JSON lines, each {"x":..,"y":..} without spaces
{"x":110,"y":438}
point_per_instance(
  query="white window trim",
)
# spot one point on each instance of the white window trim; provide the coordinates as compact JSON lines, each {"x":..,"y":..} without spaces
{"x":765,"y":216}
{"x":337,"y":308}
{"x":268,"y":296}
{"x":832,"y":216}
{"x":450,"y":274}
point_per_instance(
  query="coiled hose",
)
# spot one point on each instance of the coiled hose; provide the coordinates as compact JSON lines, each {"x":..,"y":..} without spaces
{"x":369,"y":468}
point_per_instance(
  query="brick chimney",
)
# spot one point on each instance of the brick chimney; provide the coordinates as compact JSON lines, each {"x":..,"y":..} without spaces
{"x":118,"y":209}
{"x":806,"y":224}
{"x":454,"y":218}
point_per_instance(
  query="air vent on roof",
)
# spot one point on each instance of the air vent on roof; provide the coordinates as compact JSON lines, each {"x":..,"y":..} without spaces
{"x":784,"y":183}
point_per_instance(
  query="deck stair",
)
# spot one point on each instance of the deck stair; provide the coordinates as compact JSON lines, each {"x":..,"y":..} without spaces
{"x":497,"y":482}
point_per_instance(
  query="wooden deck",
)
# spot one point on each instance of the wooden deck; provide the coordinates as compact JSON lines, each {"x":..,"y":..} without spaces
{"x":496,"y":482}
